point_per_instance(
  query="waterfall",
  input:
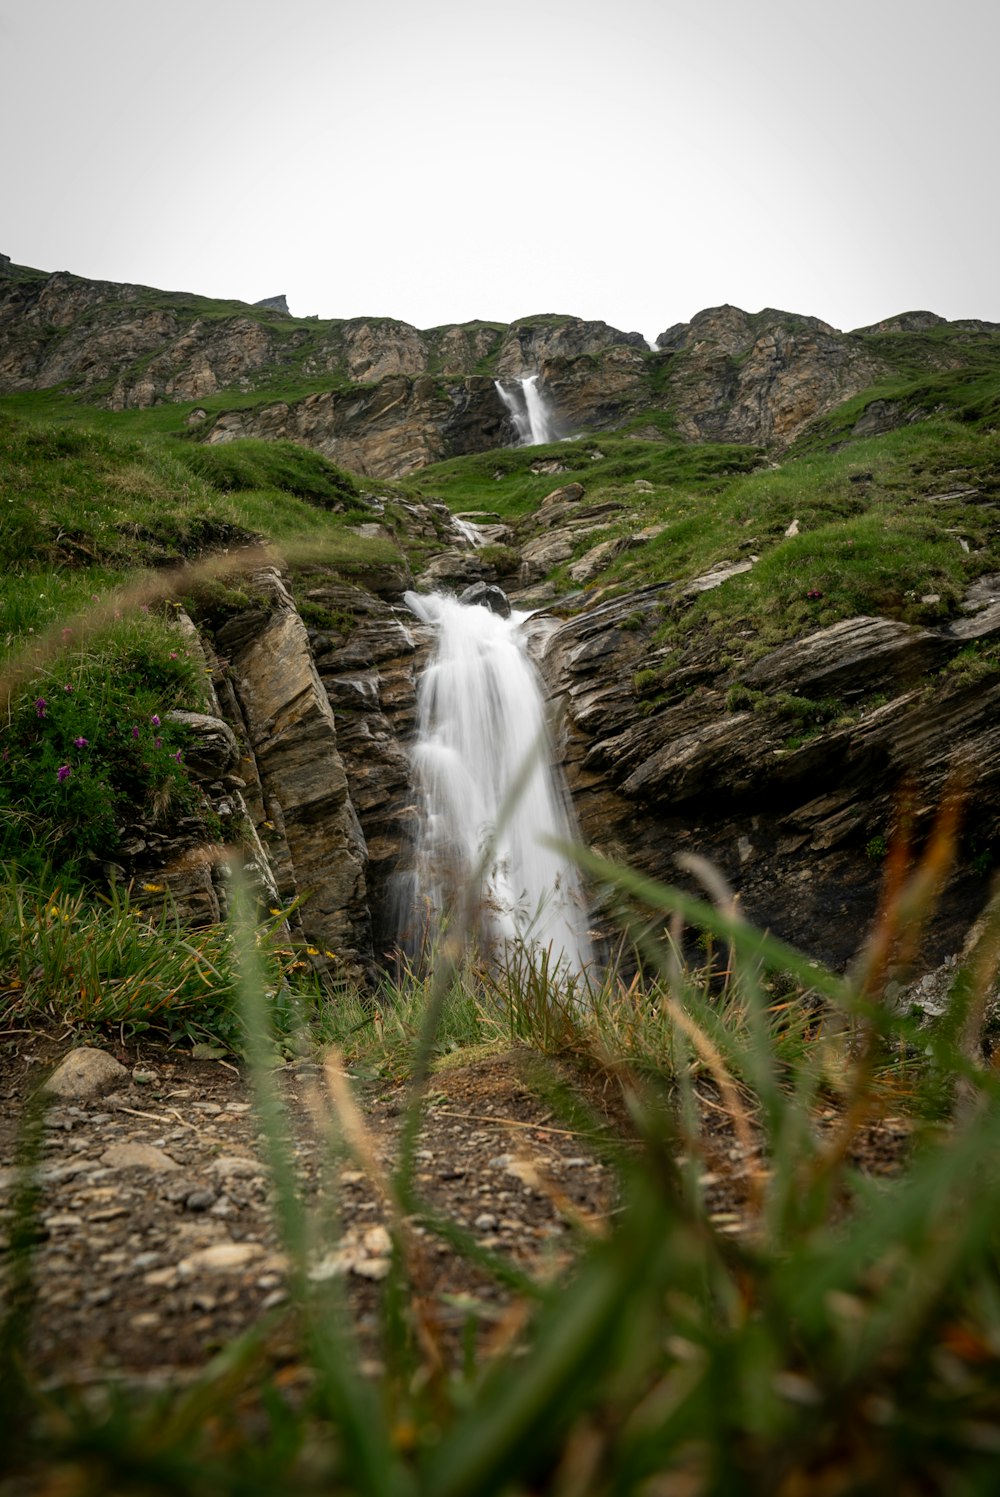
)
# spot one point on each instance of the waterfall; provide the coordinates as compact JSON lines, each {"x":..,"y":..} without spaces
{"x":533,"y":417}
{"x":489,"y":795}
{"x":471,"y":534}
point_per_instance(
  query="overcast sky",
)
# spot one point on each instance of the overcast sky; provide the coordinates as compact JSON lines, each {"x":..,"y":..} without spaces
{"x":441,"y":160}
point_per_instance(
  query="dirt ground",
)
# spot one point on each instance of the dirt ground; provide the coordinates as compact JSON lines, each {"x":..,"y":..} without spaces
{"x":156,"y":1235}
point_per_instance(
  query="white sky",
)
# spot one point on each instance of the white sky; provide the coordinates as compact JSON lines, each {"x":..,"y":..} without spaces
{"x":440,"y":160}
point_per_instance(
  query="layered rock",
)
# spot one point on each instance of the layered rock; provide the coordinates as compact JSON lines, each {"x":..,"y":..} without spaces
{"x":369,"y":671}
{"x":395,"y":427}
{"x":762,"y":378}
{"x":393,"y":398}
{"x":530,"y":344}
{"x":660,"y":763}
{"x":316,"y":844}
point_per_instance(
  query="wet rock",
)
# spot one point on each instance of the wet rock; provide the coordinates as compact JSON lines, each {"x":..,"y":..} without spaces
{"x":487,"y":595}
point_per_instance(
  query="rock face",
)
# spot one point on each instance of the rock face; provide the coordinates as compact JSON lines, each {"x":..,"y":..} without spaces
{"x":392,"y":398}
{"x":799,"y":826}
{"x":761,"y":378}
{"x":317,"y":845}
{"x":388,"y":430}
{"x":527,"y":346}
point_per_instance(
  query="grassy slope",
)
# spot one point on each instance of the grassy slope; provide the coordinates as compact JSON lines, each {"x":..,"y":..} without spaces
{"x":874,"y":535}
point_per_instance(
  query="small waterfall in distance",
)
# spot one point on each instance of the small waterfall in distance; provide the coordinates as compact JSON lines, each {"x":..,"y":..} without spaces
{"x":533,"y":417}
{"x":482,"y":761}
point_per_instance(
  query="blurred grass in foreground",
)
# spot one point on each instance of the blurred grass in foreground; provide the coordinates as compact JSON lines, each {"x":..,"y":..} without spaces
{"x":842,"y":1335}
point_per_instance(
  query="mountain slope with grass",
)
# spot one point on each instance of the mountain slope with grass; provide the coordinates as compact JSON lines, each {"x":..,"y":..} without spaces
{"x":385,"y":399}
{"x":678,"y":578}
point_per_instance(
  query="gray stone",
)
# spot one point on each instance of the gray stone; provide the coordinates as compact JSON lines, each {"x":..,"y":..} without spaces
{"x":200,"y":1200}
{"x":221,"y":1257}
{"x":487,"y":595}
{"x":231,"y":1166}
{"x":137,"y":1156}
{"x":84,"y":1073}
{"x":212,"y":748}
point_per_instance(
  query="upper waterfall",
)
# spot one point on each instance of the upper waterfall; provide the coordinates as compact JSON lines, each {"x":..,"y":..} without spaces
{"x":533,"y":416}
{"x":490,"y":798}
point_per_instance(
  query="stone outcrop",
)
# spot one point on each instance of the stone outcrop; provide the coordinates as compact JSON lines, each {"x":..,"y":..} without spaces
{"x":761,"y":378}
{"x":369,"y":672}
{"x":666,"y":761}
{"x":315,"y":842}
{"x":529,"y":345}
{"x":388,"y":430}
{"x":392,"y":398}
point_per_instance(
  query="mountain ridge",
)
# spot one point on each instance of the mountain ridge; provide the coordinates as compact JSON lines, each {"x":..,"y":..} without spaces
{"x":385,"y":398}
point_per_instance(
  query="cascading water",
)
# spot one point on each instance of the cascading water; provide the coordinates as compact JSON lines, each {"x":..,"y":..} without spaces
{"x":533,"y":418}
{"x":489,"y":795}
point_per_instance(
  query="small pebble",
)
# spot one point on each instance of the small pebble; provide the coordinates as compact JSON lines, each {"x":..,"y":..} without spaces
{"x":200,"y":1200}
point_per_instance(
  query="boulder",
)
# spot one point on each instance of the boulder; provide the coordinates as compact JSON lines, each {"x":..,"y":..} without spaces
{"x":487,"y":595}
{"x":85,"y":1073}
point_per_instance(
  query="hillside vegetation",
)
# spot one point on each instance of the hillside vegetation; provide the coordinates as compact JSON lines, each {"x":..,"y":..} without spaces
{"x":834,"y":1325}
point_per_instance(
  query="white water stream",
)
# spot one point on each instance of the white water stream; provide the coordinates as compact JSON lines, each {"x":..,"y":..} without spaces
{"x":533,"y":417}
{"x":489,"y":795}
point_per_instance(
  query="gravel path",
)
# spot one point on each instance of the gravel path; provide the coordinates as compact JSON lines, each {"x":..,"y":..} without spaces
{"x":156,"y":1234}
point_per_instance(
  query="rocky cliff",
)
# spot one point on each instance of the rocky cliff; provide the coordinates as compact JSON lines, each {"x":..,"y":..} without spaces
{"x":799,"y":823}
{"x":314,"y":756}
{"x":385,"y":398}
{"x":784,"y":762}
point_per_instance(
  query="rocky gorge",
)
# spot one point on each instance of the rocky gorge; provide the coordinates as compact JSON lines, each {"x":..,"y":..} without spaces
{"x":788,"y":762}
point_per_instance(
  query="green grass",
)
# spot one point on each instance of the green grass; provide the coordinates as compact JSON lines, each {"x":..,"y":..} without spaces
{"x":86,"y":517}
{"x":122,"y":962}
{"x":84,"y":495}
{"x":831,"y":1333}
{"x":501,"y":480}
{"x":846,"y":1337}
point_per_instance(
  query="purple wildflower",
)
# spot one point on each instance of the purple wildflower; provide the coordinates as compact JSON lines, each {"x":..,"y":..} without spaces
{"x":68,"y":688}
{"x":63,"y":772}
{"x":177,"y":757}
{"x":40,"y":705}
{"x":80,"y":742}
{"x":158,"y":743}
{"x":155,"y":720}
